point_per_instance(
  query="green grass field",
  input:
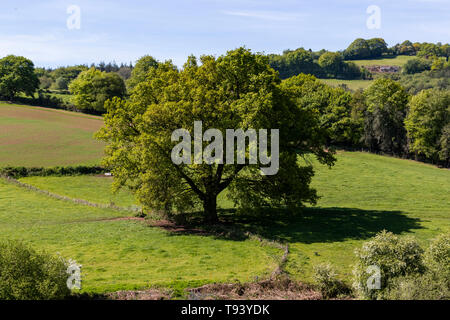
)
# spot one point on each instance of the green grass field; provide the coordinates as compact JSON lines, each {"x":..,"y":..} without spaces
{"x":397,"y":61}
{"x":351,"y":84}
{"x":126,"y":254}
{"x":32,"y":136}
{"x":96,"y":189}
{"x":362,"y":195}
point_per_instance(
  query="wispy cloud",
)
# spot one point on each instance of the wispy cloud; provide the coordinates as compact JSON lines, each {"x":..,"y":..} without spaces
{"x":266,"y":15}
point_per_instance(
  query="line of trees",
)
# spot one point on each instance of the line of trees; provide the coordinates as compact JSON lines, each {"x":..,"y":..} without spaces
{"x":59,"y":79}
{"x":322,"y":64}
{"x":339,"y":65}
{"x":361,"y":49}
{"x":90,"y":87}
{"x":385,"y":118}
{"x":390,"y":116}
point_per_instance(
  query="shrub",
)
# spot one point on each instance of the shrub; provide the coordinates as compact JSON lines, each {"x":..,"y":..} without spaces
{"x":416,"y":65}
{"x":428,"y":286}
{"x":434,"y":284}
{"x":327,"y":282}
{"x":28,"y":275}
{"x":21,"y":172}
{"x":394,"y":256}
{"x":437,"y":256}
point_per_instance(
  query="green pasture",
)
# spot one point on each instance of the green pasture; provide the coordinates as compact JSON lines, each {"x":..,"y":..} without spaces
{"x":360,"y":196}
{"x":351,"y":84}
{"x":396,"y":61}
{"x":121,"y":254}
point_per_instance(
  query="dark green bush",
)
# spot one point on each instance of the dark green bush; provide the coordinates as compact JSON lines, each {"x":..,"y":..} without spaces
{"x":416,"y":65}
{"x":21,"y":172}
{"x":28,"y":275}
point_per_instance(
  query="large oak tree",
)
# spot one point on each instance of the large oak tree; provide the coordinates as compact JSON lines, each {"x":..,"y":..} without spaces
{"x":236,"y":91}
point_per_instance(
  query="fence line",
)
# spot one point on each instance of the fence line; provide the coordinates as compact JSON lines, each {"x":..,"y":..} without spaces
{"x":68,"y":199}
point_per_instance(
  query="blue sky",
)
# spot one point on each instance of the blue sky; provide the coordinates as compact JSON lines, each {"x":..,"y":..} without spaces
{"x":173,"y":29}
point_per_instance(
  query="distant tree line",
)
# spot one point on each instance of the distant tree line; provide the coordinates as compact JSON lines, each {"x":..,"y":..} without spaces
{"x":405,"y":115}
{"x":385,"y":118}
{"x":339,"y":65}
{"x":59,"y":79}
{"x":361,"y":49}
{"x":322,"y":64}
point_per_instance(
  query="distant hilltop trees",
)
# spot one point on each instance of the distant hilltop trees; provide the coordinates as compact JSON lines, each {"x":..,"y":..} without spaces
{"x":60,"y":78}
{"x":339,"y":65}
{"x":365,"y":49}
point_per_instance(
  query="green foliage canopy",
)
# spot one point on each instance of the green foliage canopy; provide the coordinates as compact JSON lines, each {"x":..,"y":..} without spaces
{"x":140,"y":70}
{"x":28,"y":275}
{"x":428,"y":116}
{"x":365,"y":49}
{"x":236,"y":91}
{"x":332,"y":104}
{"x":17,"y":75}
{"x":92,"y":88}
{"x":386,"y":102}
{"x":64,"y":75}
{"x":416,"y":65}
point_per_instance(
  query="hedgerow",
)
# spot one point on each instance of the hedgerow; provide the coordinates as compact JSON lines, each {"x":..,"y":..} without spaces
{"x":21,"y":172}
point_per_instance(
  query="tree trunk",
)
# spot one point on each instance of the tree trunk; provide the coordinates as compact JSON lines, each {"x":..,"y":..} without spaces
{"x":210,"y":209}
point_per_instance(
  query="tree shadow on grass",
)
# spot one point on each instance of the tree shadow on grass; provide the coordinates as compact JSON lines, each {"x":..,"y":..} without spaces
{"x":308,"y":225}
{"x":312,"y":225}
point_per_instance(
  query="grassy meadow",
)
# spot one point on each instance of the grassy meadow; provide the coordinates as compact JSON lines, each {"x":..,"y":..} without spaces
{"x":96,"y":189}
{"x":351,"y":84}
{"x":360,"y":196}
{"x":398,"y":61}
{"x":119,"y":254}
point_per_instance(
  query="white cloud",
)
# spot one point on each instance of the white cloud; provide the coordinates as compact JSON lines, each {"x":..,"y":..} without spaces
{"x":265,"y":15}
